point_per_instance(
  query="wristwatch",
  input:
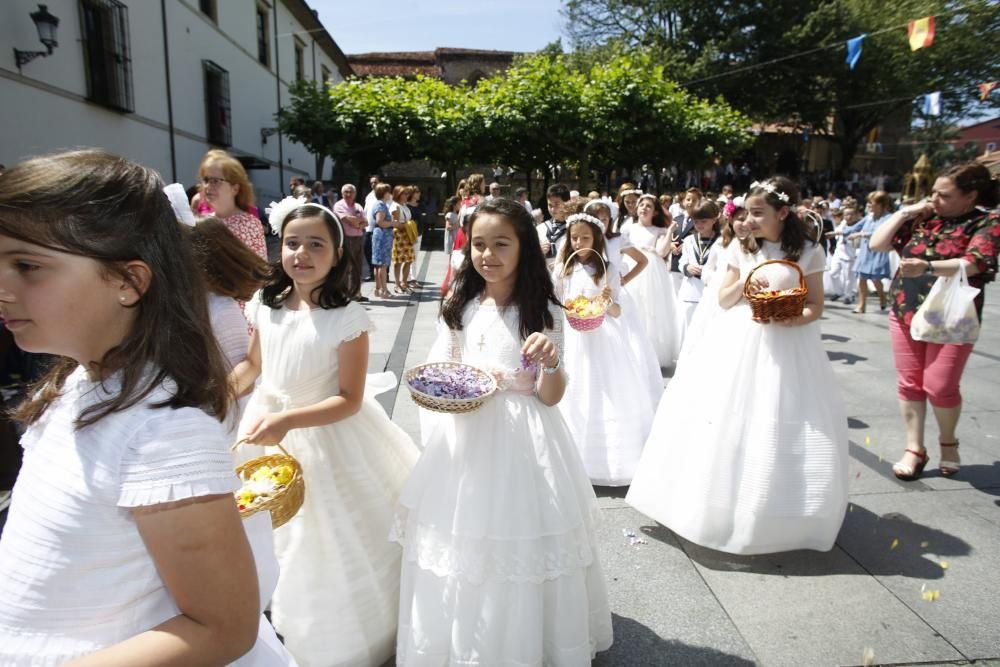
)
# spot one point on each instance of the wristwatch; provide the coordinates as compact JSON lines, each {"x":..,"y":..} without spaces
{"x":553,"y":369}
{"x":930,"y":267}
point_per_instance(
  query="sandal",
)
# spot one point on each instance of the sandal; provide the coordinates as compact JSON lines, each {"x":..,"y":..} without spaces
{"x":860,"y":310}
{"x":909,"y":473}
{"x":947,"y":466}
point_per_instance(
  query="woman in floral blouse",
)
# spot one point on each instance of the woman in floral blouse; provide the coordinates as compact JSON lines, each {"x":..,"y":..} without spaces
{"x":957,"y":227}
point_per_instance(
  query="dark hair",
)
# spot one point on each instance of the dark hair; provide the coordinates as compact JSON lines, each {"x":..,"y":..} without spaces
{"x":592,"y":259}
{"x":794,"y":234}
{"x":706,"y":208}
{"x":381,"y":190}
{"x":974,"y":176}
{"x":228,"y":266}
{"x":558,"y":190}
{"x":616,"y":226}
{"x":520,"y":191}
{"x":659,"y":219}
{"x":335,"y":291}
{"x":533,"y":290}
{"x":451,"y":203}
{"x":93,"y":204}
{"x":597,"y":203}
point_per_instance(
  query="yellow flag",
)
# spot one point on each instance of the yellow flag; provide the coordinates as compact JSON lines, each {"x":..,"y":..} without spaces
{"x":921,"y":32}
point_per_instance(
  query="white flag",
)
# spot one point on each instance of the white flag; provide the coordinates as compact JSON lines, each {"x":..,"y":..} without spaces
{"x":932,"y":104}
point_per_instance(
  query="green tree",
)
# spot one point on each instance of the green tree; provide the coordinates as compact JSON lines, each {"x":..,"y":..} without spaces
{"x":783,"y":60}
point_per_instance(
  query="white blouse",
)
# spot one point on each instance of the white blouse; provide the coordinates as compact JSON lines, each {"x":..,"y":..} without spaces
{"x":76,"y":574}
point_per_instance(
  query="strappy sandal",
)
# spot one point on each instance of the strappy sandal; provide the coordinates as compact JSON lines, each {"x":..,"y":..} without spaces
{"x":908,"y":473}
{"x":949,"y":467}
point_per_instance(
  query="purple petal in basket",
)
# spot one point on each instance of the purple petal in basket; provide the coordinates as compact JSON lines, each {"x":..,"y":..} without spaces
{"x":455,"y":382}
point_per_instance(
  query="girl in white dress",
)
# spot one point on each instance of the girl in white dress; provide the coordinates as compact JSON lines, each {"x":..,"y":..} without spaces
{"x":652,"y":289}
{"x":500,"y":557}
{"x":628,"y":200}
{"x":762,"y":467}
{"x":609,"y":426}
{"x":336,"y":599}
{"x":633,"y":334}
{"x":123,"y":544}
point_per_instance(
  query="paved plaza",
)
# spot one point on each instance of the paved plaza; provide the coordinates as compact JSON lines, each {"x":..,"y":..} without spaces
{"x":677,"y":604}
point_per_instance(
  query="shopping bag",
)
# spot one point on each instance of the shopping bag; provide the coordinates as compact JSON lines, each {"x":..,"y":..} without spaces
{"x":948,"y":314}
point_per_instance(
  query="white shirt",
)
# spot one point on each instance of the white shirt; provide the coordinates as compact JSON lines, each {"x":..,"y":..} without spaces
{"x":77,"y":576}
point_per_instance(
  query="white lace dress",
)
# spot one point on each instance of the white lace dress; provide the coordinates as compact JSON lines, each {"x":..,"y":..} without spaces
{"x":748,"y":451}
{"x":607,"y":413}
{"x":500,"y":561}
{"x":654,"y":292}
{"x":337,"y":596}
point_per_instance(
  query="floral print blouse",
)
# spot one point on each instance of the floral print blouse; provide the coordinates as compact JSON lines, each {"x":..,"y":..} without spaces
{"x":974,"y":237}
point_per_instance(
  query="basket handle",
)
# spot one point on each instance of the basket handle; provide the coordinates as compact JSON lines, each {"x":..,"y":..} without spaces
{"x":746,"y":283}
{"x":577,"y":252}
{"x":243,"y":441}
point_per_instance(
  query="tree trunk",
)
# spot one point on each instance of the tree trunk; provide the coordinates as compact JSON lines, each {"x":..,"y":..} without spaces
{"x":320,"y":160}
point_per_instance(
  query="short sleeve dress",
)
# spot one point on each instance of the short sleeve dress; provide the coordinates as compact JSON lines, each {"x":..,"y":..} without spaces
{"x":337,"y":597}
{"x":77,"y":576}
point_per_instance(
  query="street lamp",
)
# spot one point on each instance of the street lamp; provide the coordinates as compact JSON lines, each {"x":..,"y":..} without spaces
{"x":266,"y":132}
{"x":46,"y":24}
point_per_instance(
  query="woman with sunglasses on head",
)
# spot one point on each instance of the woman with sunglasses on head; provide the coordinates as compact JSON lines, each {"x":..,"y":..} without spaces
{"x":226,"y":187}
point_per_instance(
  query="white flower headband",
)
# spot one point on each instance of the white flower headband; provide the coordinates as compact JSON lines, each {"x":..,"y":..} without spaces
{"x":769,"y":188}
{"x":633,"y":191}
{"x":278,"y":211}
{"x":584,"y":217}
{"x":594,"y":203}
{"x":179,"y":202}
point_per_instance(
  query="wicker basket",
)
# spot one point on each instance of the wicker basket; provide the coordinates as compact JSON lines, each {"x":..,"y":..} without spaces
{"x":588,"y":322}
{"x":454,"y":406}
{"x":782,"y":306}
{"x":286,"y":501}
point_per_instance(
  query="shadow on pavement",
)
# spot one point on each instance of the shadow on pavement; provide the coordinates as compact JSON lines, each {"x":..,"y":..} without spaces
{"x":610,"y":491}
{"x":865,"y":537}
{"x":849,"y":358}
{"x":638,"y":646}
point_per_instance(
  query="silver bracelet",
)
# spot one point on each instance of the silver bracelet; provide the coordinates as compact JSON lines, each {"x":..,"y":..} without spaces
{"x":553,"y":369}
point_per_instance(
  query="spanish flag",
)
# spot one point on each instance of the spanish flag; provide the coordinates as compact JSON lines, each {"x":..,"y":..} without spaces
{"x":985,"y":89}
{"x":921,"y":32}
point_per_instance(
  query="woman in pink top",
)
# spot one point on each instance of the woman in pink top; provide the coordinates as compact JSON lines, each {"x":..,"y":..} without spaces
{"x":226,"y":188}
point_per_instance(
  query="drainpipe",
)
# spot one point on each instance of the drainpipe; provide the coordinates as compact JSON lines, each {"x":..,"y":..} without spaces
{"x":170,"y":101}
{"x":277,"y":86}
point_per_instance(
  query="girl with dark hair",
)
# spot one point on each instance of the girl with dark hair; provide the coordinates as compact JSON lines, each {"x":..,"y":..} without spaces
{"x":336,"y":600}
{"x":653,"y":291}
{"x":124,"y":437}
{"x":628,"y":200}
{"x":500,"y":557}
{"x":762,"y":466}
{"x":958,"y":228}
{"x":627,"y":261}
{"x":609,"y":426}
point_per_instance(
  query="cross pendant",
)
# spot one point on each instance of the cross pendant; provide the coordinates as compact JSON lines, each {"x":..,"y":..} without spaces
{"x":482,"y":341}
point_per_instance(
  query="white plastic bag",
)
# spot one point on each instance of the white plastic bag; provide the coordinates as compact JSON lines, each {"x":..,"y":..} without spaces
{"x":948,"y":314}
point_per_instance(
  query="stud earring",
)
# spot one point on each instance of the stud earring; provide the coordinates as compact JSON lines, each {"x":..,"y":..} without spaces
{"x":121,"y":298}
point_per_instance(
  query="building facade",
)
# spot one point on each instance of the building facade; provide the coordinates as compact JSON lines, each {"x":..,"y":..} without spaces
{"x":450,"y":65}
{"x":163,"y":81}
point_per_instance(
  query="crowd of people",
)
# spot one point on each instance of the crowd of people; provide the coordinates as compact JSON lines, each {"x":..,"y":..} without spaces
{"x":173,"y":338}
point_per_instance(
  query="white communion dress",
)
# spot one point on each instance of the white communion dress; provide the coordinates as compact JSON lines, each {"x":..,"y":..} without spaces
{"x":497,"y":522}
{"x":609,"y":420}
{"x":748,"y":451}
{"x":337,"y":596}
{"x":655,"y":295}
{"x":633,"y":334}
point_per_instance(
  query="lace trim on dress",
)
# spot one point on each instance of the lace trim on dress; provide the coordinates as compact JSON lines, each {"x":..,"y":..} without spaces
{"x":481,"y":559}
{"x":170,"y":490}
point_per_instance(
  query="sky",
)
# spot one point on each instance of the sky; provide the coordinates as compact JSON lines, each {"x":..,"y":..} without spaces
{"x":423,"y":25}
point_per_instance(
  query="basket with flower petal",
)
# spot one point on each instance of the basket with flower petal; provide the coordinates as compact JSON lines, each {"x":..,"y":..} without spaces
{"x":586,"y":313}
{"x":449,"y":386}
{"x":272,"y":482}
{"x":767,"y":305}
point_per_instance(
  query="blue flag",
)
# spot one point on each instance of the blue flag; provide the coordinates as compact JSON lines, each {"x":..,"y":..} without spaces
{"x":854,"y":49}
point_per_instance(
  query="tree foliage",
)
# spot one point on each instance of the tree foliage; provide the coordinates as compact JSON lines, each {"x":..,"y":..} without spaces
{"x":783,"y":60}
{"x":546,"y":109}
